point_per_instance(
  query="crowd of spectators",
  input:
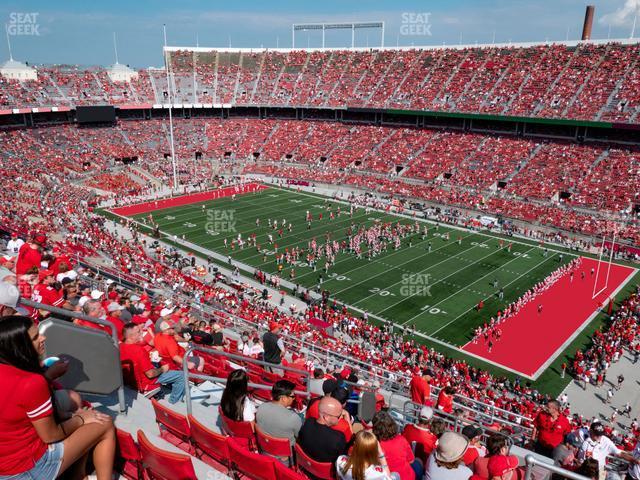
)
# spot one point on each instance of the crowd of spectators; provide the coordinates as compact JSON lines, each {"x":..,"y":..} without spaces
{"x":590,"y":82}
{"x":619,"y":334}
{"x":137,"y":316}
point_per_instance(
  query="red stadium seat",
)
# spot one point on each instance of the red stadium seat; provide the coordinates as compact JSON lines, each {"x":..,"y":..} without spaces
{"x":162,"y":465}
{"x":128,"y":456}
{"x":242,"y":431}
{"x":278,"y":447}
{"x":173,"y":426}
{"x":320,"y":470}
{"x":208,"y":443}
{"x":253,"y":465}
{"x":285,"y":473}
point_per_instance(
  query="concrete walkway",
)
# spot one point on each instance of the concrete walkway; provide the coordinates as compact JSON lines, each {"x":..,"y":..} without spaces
{"x":590,"y":402}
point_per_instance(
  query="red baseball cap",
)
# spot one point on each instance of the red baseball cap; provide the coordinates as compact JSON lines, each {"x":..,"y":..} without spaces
{"x":44,"y":274}
{"x":501,"y":464}
{"x":14,"y":234}
{"x":273,"y":326}
{"x":40,"y":239}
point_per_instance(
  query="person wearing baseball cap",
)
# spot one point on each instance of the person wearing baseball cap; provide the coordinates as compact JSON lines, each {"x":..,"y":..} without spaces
{"x":420,"y":433}
{"x":114,"y":312}
{"x":503,"y":467}
{"x":420,"y":387}
{"x":476,"y":449}
{"x":14,"y":245}
{"x":446,"y":463}
{"x":45,"y":292}
{"x":9,"y":299}
{"x":274,"y":348}
{"x":170,"y":352}
{"x":564,"y":455}
{"x":598,"y":446}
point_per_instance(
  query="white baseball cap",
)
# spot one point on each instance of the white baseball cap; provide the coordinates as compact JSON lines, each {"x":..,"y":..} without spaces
{"x":96,"y":294}
{"x":9,"y":295}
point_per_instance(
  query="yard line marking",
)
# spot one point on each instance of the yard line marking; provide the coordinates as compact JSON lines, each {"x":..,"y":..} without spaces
{"x":489,"y":296}
{"x":464,"y":288}
{"x":427,"y":269}
{"x":413,"y":259}
{"x":433,"y":222}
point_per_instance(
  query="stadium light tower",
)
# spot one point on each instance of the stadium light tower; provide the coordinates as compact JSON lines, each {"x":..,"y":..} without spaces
{"x":6,"y":30}
{"x":173,"y":151}
{"x":296,"y":27}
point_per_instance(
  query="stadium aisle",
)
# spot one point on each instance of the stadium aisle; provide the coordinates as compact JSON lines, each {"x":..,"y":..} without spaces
{"x":590,"y":402}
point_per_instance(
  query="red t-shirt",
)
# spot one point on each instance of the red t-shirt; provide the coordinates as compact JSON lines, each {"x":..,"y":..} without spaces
{"x":445,"y":402}
{"x":119,"y":324}
{"x":420,"y":390}
{"x":470,"y":455}
{"x":399,"y":456}
{"x":168,"y":348}
{"x":26,"y":398}
{"x":422,"y":437}
{"x":85,"y":323}
{"x":47,"y":295}
{"x":342,"y":426}
{"x":550,"y":433}
{"x":138,"y":358}
{"x":27,"y":258}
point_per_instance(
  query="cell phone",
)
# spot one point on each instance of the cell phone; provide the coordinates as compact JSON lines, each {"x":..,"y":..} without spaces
{"x":50,"y":361}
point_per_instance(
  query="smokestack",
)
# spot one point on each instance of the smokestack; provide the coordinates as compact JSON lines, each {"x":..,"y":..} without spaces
{"x":588,"y":22}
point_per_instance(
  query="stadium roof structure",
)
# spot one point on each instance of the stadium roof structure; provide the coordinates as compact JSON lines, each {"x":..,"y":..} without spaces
{"x":121,"y":73}
{"x":568,"y":43}
{"x":14,"y":70}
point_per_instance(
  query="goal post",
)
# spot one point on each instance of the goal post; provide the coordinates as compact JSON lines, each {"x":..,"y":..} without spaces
{"x":609,"y":262}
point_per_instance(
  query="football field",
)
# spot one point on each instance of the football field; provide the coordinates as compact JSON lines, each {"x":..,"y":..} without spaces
{"x":432,"y":283}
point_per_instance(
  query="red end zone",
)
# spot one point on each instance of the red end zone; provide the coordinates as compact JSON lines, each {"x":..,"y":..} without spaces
{"x":530,"y":341}
{"x":154,"y":205}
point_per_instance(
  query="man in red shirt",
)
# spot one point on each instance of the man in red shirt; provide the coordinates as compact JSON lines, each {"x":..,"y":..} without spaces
{"x":93,"y":308}
{"x":135,"y":360}
{"x":549,"y":428}
{"x":342,"y":395}
{"x":421,"y":434}
{"x":114,"y":311}
{"x":170,"y":352}
{"x":30,"y":254}
{"x":445,"y":399}
{"x":44,"y":293}
{"x":421,"y":389}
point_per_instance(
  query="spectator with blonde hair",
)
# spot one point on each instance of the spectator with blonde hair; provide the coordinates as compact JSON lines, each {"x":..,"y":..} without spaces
{"x":366,"y":462}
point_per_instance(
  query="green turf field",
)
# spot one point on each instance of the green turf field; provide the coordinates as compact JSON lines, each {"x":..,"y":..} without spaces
{"x":434,"y":291}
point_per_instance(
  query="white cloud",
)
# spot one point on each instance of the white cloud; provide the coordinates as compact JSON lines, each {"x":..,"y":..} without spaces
{"x":623,"y":16}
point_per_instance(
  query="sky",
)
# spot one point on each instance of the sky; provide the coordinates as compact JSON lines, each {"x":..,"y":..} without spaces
{"x":81,"y":31}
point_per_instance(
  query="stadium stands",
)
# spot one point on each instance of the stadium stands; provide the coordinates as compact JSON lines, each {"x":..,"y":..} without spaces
{"x":588,"y":81}
{"x":61,"y":172}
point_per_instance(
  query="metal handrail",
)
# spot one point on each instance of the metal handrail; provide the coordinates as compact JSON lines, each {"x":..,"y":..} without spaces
{"x":493,"y":413}
{"x":239,"y":358}
{"x":313,"y":348}
{"x":410,"y":410}
{"x":86,"y":318}
{"x":532,"y":461}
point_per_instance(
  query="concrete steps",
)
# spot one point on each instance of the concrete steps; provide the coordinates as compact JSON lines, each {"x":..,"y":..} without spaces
{"x":140,"y":416}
